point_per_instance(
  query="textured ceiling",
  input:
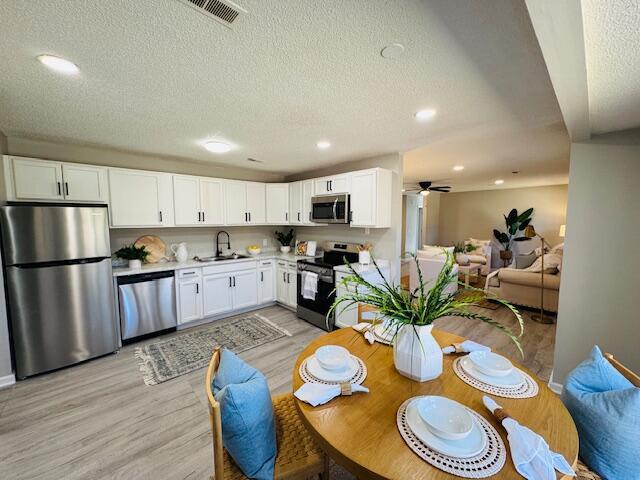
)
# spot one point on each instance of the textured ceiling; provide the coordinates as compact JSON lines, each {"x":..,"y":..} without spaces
{"x":158,"y":77}
{"x":612,"y":47}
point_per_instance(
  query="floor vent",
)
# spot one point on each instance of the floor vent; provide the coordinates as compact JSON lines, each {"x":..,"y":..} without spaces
{"x":223,"y":11}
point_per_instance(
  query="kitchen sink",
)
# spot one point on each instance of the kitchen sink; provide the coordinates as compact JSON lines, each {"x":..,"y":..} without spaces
{"x":221,"y":258}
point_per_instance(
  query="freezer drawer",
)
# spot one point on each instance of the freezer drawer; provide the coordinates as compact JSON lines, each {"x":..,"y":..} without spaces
{"x":147,"y":303}
{"x":61,"y":314}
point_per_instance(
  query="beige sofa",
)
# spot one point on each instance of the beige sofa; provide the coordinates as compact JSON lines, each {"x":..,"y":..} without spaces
{"x":482,"y":254}
{"x":430,"y":263}
{"x":523,"y":288}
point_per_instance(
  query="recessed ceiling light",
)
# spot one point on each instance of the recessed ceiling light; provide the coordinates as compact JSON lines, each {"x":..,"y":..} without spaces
{"x":392,"y":51}
{"x":59,"y":64}
{"x":424,"y":115}
{"x":323,"y":145}
{"x":499,"y":182}
{"x":457,"y":168}
{"x":217,"y":147}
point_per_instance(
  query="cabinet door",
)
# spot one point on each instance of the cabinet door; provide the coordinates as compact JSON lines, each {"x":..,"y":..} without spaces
{"x":245,"y":289}
{"x":186,"y":200}
{"x":217,"y":294}
{"x":321,"y":186}
{"x":256,"y":199}
{"x":277,"y":203}
{"x":235,"y":195}
{"x":266,"y":285}
{"x":212,"y":201}
{"x":295,"y":203}
{"x":292,"y":287}
{"x":189,"y":300}
{"x":282,"y":287}
{"x":339,"y":184}
{"x":307,"y":195}
{"x":83,"y":183}
{"x":363,"y":198}
{"x":37,"y":179}
{"x":136,"y":198}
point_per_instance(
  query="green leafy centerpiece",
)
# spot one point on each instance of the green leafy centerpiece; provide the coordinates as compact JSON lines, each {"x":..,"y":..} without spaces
{"x":408,"y":316}
{"x":135,"y":255}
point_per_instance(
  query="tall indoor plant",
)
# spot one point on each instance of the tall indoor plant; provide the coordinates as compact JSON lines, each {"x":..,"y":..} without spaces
{"x":515,"y":223}
{"x":409,"y":315}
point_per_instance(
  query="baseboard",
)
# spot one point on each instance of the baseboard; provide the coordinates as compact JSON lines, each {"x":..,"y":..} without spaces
{"x":556,"y":387}
{"x":7,"y":381}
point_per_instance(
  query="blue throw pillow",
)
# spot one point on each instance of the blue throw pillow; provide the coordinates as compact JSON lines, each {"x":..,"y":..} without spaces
{"x":248,"y":425}
{"x":605,"y":407}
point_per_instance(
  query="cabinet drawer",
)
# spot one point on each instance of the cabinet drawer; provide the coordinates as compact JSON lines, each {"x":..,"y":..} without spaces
{"x":188,"y":273}
{"x":266,"y":263}
{"x":229,"y":268}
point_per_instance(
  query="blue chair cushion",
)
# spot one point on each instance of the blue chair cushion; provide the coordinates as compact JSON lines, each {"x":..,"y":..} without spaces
{"x":248,"y":425}
{"x":605,"y":407}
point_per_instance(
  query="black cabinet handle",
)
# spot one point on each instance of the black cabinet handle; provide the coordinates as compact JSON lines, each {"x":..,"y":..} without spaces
{"x":203,"y":216}
{"x":262,"y":276}
{"x":230,"y":282}
{"x":197,"y":288}
{"x":160,"y":215}
{"x":249,"y":216}
{"x":198,"y":216}
{"x":234,"y":281}
{"x":288,"y":278}
{"x":298,"y":216}
{"x":66,"y":188}
{"x":59,"y":188}
{"x":286,"y":216}
{"x":330,"y":185}
{"x":284,"y":277}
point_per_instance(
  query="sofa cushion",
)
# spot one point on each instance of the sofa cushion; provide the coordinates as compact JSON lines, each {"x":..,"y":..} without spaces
{"x":525,"y":261}
{"x":481,"y":259}
{"x":434,"y":251}
{"x":604,"y":406}
{"x":248,"y":425}
{"x":530,"y":279}
{"x":551,"y":261}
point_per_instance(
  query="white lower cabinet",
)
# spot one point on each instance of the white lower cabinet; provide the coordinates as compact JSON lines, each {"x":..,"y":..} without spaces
{"x":266,"y":281}
{"x":189,"y":295}
{"x":244,"y":289}
{"x":287,"y":283}
{"x":218,"y":294}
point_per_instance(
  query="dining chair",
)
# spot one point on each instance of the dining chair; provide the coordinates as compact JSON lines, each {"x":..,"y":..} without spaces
{"x":298,"y":457}
{"x":626,"y":373}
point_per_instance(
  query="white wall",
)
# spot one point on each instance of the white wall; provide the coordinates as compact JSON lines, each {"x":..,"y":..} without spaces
{"x":5,"y":352}
{"x":387,"y":241}
{"x":476,"y":214}
{"x":431,"y":212}
{"x":411,"y":234}
{"x":601,"y":266}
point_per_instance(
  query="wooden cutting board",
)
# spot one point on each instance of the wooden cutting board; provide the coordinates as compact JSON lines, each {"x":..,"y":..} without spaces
{"x":154,"y":245}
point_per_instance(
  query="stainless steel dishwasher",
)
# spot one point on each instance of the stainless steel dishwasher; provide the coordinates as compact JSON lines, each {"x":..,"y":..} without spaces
{"x":147,"y":303}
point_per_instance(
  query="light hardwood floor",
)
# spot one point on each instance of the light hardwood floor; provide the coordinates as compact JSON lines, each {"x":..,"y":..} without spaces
{"x":99,"y":420}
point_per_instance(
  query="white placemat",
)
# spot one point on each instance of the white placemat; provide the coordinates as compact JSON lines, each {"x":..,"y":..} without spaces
{"x":358,"y":377}
{"x":487,"y":463}
{"x":528,"y":389}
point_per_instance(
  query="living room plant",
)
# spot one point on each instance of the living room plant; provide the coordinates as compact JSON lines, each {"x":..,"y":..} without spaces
{"x":135,"y":255}
{"x":409,"y":315}
{"x":515,"y":222}
{"x":460,"y":251}
{"x":285,"y":239}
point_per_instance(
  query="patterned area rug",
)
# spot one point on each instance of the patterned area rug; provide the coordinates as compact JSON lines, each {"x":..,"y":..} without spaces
{"x":166,"y":359}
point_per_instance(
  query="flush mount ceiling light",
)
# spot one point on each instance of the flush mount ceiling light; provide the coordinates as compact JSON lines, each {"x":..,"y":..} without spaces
{"x":424,"y":193}
{"x":458,"y":168}
{"x":59,"y":64}
{"x":499,"y":182}
{"x":217,"y":147}
{"x":426,"y":114}
{"x":323,"y":145}
{"x":392,"y":51}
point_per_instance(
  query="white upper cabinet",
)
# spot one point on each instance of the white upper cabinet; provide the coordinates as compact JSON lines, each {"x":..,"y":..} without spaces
{"x":278,"y":203}
{"x":334,"y":184}
{"x":371,"y":198}
{"x":85,"y":183}
{"x":212,"y":201}
{"x":307,"y":195}
{"x":295,"y":203}
{"x":197,"y":200}
{"x":235,"y":194}
{"x":140,"y":198}
{"x":256,"y":199}
{"x":186,"y":200}
{"x":35,"y":179}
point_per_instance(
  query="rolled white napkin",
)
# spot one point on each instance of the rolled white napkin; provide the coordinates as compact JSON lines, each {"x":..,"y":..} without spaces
{"x":467,"y":346}
{"x":365,"y":328}
{"x":318,"y":394}
{"x":530,"y":453}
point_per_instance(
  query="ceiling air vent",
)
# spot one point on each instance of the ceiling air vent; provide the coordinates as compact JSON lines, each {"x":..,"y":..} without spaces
{"x":224,"y":11}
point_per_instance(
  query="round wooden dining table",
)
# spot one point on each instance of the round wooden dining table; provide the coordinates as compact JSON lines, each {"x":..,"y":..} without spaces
{"x":360,"y":432}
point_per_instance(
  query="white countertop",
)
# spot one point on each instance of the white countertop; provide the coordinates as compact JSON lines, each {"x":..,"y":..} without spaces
{"x":168,"y":266}
{"x":364,"y":269}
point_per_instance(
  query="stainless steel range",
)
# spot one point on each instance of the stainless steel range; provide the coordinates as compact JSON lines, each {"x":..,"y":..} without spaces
{"x":315,"y":310}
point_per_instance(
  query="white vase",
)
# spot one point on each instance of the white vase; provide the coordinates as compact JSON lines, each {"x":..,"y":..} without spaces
{"x":462,"y":259}
{"x":364,"y":257}
{"x":135,"y":264}
{"x":285,"y":249}
{"x":416,"y":354}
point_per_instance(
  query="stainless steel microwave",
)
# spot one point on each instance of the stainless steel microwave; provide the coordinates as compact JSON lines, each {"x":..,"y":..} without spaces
{"x":330,"y":208}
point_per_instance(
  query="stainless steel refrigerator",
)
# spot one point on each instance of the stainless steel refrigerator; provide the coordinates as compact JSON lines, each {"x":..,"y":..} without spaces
{"x":59,"y":284}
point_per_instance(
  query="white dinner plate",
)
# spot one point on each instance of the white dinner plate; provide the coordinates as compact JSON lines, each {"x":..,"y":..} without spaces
{"x":314,"y":368}
{"x":512,"y":380}
{"x":469,"y":446}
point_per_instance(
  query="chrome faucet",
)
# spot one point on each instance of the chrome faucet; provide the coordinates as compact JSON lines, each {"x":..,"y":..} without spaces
{"x":218,"y":251}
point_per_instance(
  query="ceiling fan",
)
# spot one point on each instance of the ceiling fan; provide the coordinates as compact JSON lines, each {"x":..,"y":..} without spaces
{"x":425,"y":188}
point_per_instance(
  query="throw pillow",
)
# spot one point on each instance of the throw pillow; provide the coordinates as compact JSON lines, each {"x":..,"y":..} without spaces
{"x":559,"y":249}
{"x":551,"y":261}
{"x":479,"y":245}
{"x":604,"y":406}
{"x":525,"y":261}
{"x":248,"y":424}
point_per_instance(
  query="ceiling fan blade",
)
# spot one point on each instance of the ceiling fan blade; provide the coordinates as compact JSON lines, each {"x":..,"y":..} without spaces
{"x":440,"y":189}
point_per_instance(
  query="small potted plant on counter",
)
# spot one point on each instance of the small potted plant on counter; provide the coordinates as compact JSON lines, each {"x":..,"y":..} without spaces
{"x":285,"y":239}
{"x":135,"y":255}
{"x":408,"y":316}
{"x":461,"y":251}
